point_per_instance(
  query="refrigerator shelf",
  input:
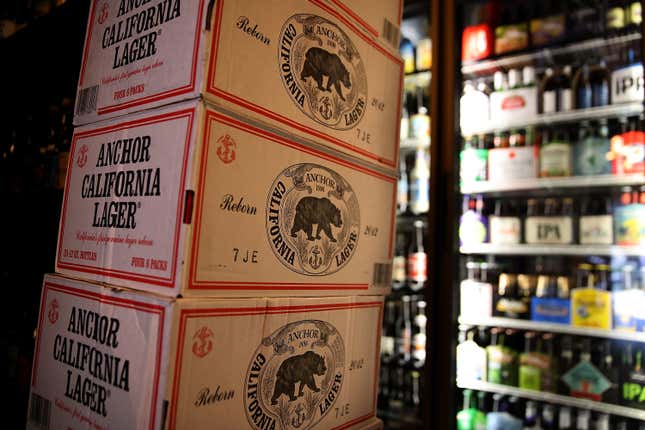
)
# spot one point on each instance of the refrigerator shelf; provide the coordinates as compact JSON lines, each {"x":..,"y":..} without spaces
{"x":552,"y":328}
{"x":490,"y":66}
{"x":594,"y":113}
{"x":562,"y":250}
{"x":417,"y":79}
{"x":606,"y":408}
{"x":552,"y":184}
{"x":412,"y":144}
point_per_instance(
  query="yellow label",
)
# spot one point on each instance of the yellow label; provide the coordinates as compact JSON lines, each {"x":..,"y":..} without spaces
{"x":591,"y":308}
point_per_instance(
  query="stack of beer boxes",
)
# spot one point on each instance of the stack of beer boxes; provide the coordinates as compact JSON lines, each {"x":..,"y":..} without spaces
{"x":227,"y":225}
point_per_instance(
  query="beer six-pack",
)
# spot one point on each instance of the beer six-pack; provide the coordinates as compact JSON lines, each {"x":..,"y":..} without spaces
{"x":227,"y":221}
{"x":188,"y":200}
{"x":302,"y":66}
{"x":109,"y":359}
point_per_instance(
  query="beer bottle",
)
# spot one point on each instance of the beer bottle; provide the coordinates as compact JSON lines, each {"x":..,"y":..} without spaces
{"x":419,"y":334}
{"x":585,"y":277}
{"x":602,"y":277}
{"x":399,"y":263}
{"x":531,"y":416}
{"x":389,"y":332}
{"x":403,"y":332}
{"x":419,"y":202}
{"x":402,"y":198}
{"x":547,"y":418}
{"x":549,"y":373}
{"x":417,"y":259}
{"x":565,"y":363}
{"x":611,"y":372}
{"x":517,"y":138}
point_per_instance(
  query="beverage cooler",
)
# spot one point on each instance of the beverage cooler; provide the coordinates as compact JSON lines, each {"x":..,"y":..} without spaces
{"x":532,"y":309}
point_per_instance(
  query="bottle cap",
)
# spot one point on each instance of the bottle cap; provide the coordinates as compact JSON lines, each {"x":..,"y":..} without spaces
{"x":499,"y":80}
{"x":513,"y":78}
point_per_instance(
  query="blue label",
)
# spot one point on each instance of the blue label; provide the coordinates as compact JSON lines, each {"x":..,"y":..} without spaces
{"x":590,"y":156}
{"x":551,"y":310}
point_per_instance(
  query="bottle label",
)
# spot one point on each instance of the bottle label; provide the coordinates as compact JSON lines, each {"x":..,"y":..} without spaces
{"x":387,"y":346}
{"x":404,"y":343}
{"x":566,"y":100}
{"x":555,"y":159}
{"x":398,"y":269}
{"x":635,"y":14}
{"x":405,"y":128}
{"x":402,"y":195}
{"x":512,"y":308}
{"x":549,"y":104}
{"x":600,"y":94}
{"x":417,"y":267}
{"x":511,"y":37}
{"x":419,"y":194}
{"x":549,"y":230}
{"x":627,"y":84}
{"x":420,"y":126}
{"x":473,"y":165}
{"x":505,"y":230}
{"x":633,"y":390}
{"x":547,"y":29}
{"x":534,"y":371}
{"x":502,"y":365}
{"x":419,"y":347}
{"x":585,"y":380}
{"x":596,"y":230}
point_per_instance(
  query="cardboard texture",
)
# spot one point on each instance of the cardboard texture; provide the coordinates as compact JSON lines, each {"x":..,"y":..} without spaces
{"x":187,"y":200}
{"x":302,"y":66}
{"x":109,"y":359}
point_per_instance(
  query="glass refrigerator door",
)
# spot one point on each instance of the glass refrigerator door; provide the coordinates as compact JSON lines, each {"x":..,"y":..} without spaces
{"x":550,"y":200}
{"x":403,"y":343}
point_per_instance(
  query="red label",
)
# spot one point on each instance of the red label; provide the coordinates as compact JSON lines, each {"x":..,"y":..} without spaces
{"x":226,"y":149}
{"x":513,"y":102}
{"x":476,"y":42}
{"x":417,"y":266}
{"x":52,"y":314}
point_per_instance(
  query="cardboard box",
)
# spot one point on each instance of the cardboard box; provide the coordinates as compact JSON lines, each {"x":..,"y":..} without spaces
{"x":506,"y":164}
{"x":381,"y":19}
{"x":513,"y":105}
{"x":591,"y":308}
{"x":476,"y":299}
{"x":551,"y":310}
{"x":216,"y":206}
{"x":122,"y":360}
{"x":301,"y":66}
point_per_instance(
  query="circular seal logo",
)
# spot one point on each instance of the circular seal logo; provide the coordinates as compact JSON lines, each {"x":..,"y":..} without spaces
{"x":295,"y":376}
{"x":322,"y":71}
{"x":313,"y":219}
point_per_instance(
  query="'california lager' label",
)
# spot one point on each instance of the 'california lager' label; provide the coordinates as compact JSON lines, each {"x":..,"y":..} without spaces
{"x":322,"y":71}
{"x":313,"y":219}
{"x":295,"y":376}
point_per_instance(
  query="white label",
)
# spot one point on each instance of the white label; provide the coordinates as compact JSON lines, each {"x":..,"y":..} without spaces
{"x":549,"y":230}
{"x":596,"y":230}
{"x":98,"y":357}
{"x":419,"y":346}
{"x":398,"y":268}
{"x":555,"y":159}
{"x":387,"y":346}
{"x":125,"y":190}
{"x":549,"y":101}
{"x":505,"y":230}
{"x":627,"y":84}
{"x":566,"y":99}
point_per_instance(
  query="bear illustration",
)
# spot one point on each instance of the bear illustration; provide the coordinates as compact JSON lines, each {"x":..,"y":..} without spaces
{"x":320,"y":63}
{"x":299,"y":368}
{"x":312,"y":210}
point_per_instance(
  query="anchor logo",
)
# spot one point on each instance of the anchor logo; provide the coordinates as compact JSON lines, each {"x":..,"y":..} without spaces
{"x":225,"y":150}
{"x":203,"y":344}
{"x":316,"y":260}
{"x":81,"y":160}
{"x":52,"y":314}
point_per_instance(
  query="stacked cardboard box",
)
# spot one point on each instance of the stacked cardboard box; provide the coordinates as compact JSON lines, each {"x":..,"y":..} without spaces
{"x":227,"y":225}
